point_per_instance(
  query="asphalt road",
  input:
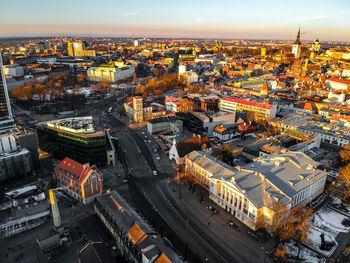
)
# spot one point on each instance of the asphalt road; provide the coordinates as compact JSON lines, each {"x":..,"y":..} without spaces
{"x":203,"y":241}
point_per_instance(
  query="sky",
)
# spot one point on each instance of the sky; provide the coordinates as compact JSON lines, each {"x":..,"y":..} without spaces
{"x":220,"y":19}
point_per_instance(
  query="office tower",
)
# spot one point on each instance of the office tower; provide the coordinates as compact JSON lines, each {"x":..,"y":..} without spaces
{"x":6,"y":119}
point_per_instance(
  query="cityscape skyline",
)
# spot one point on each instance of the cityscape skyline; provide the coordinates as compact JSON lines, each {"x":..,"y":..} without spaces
{"x":224,"y":20}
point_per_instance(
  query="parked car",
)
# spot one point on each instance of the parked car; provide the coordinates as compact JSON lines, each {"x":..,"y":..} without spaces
{"x":213,"y":209}
{"x":234,"y":226}
{"x":155,"y":173}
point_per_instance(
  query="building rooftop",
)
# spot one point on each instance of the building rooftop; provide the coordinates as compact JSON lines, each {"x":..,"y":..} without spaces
{"x":77,"y":125}
{"x":136,"y":229}
{"x":276,"y":178}
{"x":79,"y":172}
{"x":249,"y":102}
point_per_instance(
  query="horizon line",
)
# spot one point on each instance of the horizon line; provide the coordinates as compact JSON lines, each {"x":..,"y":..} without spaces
{"x":160,"y":37}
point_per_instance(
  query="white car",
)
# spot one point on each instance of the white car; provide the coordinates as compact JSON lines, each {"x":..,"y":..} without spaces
{"x":155,"y":173}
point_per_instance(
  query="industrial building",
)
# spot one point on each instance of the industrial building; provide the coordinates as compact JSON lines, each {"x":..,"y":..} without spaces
{"x":79,"y":138}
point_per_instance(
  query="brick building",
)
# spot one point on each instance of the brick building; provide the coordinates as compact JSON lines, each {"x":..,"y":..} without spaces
{"x":83,"y":182}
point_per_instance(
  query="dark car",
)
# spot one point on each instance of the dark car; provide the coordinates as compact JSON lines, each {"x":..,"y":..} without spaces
{"x":214,"y":211}
{"x":234,"y":226}
{"x":258,"y":235}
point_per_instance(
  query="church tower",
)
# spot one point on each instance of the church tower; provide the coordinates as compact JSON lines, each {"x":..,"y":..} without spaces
{"x":297,"y":46}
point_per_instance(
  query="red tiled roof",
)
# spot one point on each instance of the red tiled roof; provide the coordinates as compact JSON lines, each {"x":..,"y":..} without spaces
{"x":171,"y":99}
{"x":79,"y":171}
{"x":343,"y":81}
{"x":249,"y":102}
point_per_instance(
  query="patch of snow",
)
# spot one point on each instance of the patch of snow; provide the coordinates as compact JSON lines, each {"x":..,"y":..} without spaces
{"x":336,"y":200}
{"x":328,"y":218}
{"x":314,"y":240}
{"x":39,"y":197}
{"x":16,"y":192}
{"x":305,"y":255}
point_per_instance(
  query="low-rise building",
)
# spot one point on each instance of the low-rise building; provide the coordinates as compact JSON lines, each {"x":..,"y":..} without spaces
{"x":249,"y":192}
{"x":204,"y":122}
{"x":110,"y":72}
{"x":338,"y":84}
{"x":261,"y":110}
{"x":164,"y":123}
{"x":132,"y":234}
{"x":81,"y":181}
{"x":225,"y":134}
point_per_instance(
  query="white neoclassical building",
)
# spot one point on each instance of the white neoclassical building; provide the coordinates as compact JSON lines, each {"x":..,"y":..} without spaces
{"x":249,"y":192}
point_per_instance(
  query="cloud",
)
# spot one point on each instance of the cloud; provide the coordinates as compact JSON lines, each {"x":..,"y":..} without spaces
{"x":344,"y":13}
{"x":205,"y":20}
{"x":199,"y":19}
{"x":130,"y":14}
{"x":320,"y":17}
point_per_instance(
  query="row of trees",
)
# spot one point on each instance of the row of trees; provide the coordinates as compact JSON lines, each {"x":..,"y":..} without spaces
{"x":158,"y":86}
{"x":54,"y":86}
{"x":344,"y":172}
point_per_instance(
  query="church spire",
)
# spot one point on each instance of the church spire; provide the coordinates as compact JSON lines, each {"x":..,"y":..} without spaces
{"x":297,"y":41}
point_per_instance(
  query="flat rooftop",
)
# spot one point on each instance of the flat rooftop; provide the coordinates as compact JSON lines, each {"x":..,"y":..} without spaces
{"x":79,"y":125}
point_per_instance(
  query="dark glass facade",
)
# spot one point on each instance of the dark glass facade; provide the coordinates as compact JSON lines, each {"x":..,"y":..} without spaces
{"x":4,"y":100}
{"x":83,"y":148}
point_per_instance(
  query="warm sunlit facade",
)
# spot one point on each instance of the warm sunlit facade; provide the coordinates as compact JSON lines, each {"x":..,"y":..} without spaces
{"x":249,"y":192}
{"x":81,"y":181}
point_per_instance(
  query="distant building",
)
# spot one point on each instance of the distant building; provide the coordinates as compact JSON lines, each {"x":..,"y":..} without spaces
{"x":82,"y":182}
{"x":205,"y":102}
{"x":264,"y":91}
{"x":296,"y":50}
{"x":204,"y":123}
{"x":261,"y":110}
{"x":6,"y":118}
{"x":77,"y":49}
{"x":78,"y":138}
{"x":225,"y":134}
{"x":249,"y":192}
{"x":263,"y":51}
{"x":139,"y":112}
{"x":135,"y":239}
{"x":135,"y":109}
{"x":110,"y":72}
{"x":338,"y":84}
{"x":13,"y":70}
{"x":15,"y":162}
{"x":163,"y":124}
{"x":316,"y":45}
